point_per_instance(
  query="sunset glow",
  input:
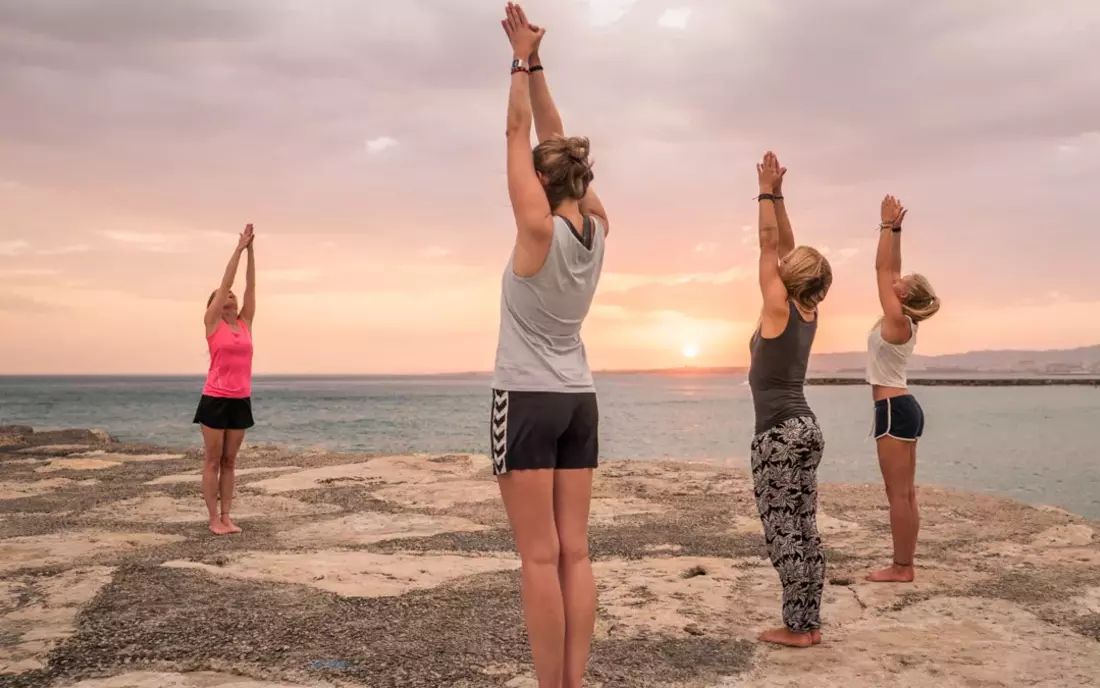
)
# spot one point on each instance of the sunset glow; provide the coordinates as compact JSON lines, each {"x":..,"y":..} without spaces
{"x":135,"y":147}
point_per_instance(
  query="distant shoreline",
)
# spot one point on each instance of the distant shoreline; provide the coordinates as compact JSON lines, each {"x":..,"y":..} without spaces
{"x":969,"y":382}
{"x":963,"y":379}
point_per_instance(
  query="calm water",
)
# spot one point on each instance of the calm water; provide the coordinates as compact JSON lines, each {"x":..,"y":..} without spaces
{"x":1030,"y":443}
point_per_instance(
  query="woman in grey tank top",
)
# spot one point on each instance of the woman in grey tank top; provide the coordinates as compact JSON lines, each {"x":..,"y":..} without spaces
{"x":899,"y":419}
{"x":544,"y":417}
{"x":788,"y":444}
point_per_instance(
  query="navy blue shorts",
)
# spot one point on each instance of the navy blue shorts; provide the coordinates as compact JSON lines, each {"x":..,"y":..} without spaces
{"x":899,"y":417}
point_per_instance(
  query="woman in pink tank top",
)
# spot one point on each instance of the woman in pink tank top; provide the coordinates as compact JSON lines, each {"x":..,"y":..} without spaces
{"x":225,"y":409}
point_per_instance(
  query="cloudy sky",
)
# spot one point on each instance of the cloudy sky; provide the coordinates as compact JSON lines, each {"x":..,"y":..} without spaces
{"x":365,"y":141}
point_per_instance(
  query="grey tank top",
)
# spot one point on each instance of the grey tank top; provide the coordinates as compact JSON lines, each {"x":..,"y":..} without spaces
{"x":540,"y":347}
{"x":777,"y":372}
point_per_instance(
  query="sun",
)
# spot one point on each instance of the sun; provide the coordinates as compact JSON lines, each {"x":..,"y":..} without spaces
{"x":690,"y":351}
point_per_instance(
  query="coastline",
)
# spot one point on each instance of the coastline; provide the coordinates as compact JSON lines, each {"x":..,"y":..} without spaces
{"x":359,"y":570}
{"x":1063,"y":381}
{"x":966,"y":378}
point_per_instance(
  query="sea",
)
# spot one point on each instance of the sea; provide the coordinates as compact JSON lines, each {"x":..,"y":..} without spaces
{"x":1033,"y":443}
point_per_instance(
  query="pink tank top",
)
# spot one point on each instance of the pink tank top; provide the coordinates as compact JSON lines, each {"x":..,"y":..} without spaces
{"x":230,"y":375}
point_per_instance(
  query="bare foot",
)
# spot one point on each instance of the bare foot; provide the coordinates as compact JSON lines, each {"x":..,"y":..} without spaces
{"x":228,"y":523}
{"x":785,"y":636}
{"x":218,"y":528}
{"x":893,"y":574}
{"x":815,"y":636}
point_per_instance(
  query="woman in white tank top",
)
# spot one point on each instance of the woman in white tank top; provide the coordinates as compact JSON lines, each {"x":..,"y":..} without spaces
{"x":899,"y":419}
{"x":544,"y":420}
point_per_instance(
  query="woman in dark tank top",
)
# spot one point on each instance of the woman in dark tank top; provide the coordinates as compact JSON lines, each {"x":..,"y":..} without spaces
{"x":788,"y":444}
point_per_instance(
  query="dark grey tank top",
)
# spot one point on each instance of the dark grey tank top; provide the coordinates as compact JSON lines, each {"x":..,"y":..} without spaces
{"x":777,"y":372}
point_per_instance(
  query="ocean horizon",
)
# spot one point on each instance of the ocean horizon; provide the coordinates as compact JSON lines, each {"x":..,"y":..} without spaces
{"x":1027,"y":443}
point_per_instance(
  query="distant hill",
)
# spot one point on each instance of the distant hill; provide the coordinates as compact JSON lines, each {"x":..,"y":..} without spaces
{"x":1083,"y":360}
{"x":1052,"y":362}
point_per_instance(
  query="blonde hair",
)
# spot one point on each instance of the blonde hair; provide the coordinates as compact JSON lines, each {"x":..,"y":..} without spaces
{"x":920,"y":301}
{"x":565,"y":168}
{"x":807,"y":276}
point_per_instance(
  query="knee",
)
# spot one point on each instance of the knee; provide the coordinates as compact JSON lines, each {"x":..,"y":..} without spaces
{"x":573,"y":550}
{"x":542,"y":553}
{"x":228,"y":461}
{"x":901,"y":493}
{"x":212,"y":458}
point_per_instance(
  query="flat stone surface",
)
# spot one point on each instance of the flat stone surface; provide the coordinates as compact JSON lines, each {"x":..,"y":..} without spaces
{"x":354,"y":574}
{"x":47,"y":617}
{"x":68,"y":547}
{"x":400,"y":571}
{"x":196,"y":475}
{"x":77,"y":465}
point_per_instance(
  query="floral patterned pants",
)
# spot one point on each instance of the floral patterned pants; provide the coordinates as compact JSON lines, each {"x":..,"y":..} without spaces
{"x":784,"y":474}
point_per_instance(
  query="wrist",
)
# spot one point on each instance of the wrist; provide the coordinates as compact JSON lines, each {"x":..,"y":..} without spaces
{"x":765,"y":189}
{"x":534,"y":60}
{"x":520,"y":64}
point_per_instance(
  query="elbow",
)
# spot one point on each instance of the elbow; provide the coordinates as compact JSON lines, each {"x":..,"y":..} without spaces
{"x":769,"y":238}
{"x":518,"y":126}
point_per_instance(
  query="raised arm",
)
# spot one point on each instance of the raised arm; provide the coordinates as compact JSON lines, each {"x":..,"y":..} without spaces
{"x":547,"y":118}
{"x":214,"y":310}
{"x":895,"y":326}
{"x":786,"y":234}
{"x":529,"y":203}
{"x":248,"y":307}
{"x":771,"y":285}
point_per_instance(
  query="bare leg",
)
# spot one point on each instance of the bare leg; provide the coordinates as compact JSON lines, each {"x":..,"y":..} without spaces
{"x":231,"y":447}
{"x":913,"y":501}
{"x":572,"y":499}
{"x":529,"y":500}
{"x":895,"y":458}
{"x":213,"y":441}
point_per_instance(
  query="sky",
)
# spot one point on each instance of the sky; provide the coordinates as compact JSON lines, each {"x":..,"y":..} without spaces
{"x":365,"y":141}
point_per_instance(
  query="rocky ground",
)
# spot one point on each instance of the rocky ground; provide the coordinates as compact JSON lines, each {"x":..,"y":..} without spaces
{"x":399,"y":571}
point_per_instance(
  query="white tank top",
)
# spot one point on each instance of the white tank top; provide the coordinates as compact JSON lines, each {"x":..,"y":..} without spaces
{"x":540,"y":347}
{"x":886,"y":362}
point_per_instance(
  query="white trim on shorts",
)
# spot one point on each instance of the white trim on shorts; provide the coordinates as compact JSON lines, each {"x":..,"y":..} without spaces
{"x":889,"y":424}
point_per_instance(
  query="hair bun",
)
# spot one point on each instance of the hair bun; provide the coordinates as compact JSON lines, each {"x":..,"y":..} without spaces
{"x":563,"y":162}
{"x":577,"y":147}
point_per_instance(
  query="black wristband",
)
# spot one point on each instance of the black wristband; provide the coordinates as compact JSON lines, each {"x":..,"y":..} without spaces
{"x":768,"y":197}
{"x":536,"y":68}
{"x":896,"y":230}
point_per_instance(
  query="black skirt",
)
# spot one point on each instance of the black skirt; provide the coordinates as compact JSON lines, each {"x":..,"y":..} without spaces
{"x":220,"y":413}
